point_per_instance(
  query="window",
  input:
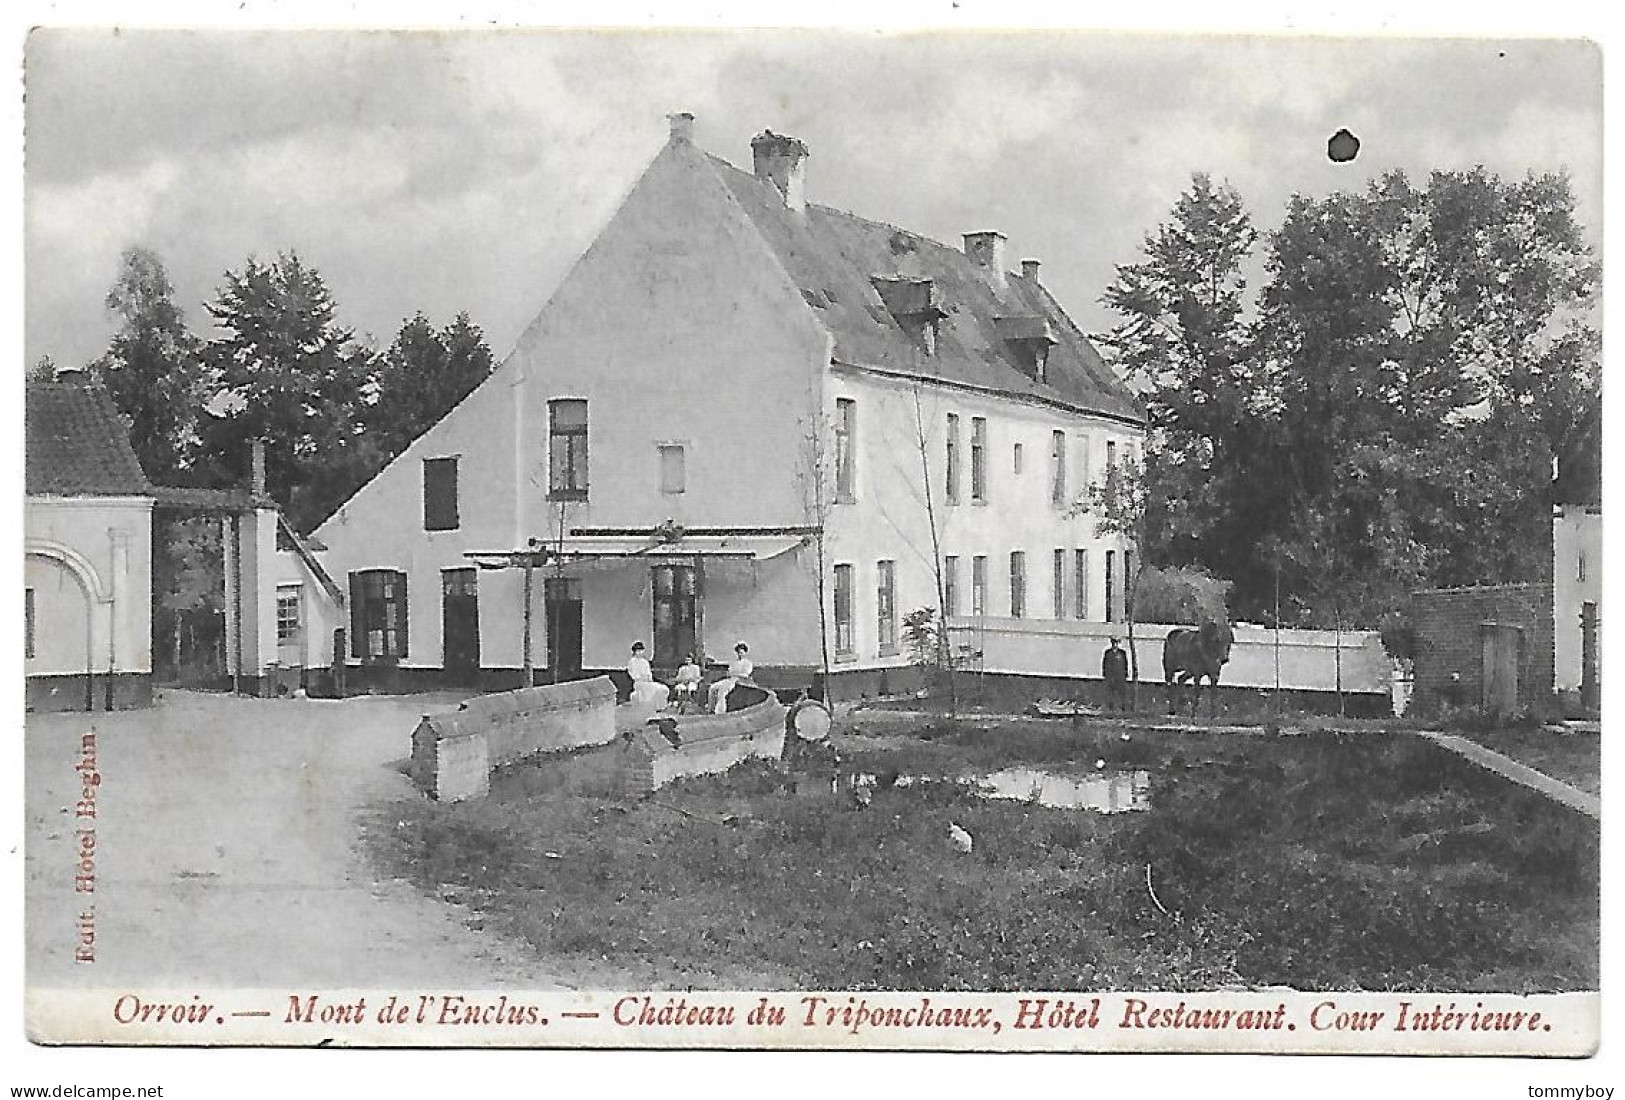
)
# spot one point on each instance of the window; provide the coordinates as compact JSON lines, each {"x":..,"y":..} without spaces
{"x":1080,"y":584}
{"x":978,"y":458}
{"x":1111,"y":564}
{"x":1111,"y":458}
{"x":846,"y":416}
{"x":950,"y":586}
{"x":28,"y":622}
{"x":1015,"y":459}
{"x":567,"y":449}
{"x":1058,"y":584}
{"x":843,"y":611}
{"x":378,"y":614}
{"x":951,"y":460}
{"x":1579,"y":568}
{"x":886,"y":606}
{"x":1018,"y":584}
{"x":1083,"y":462}
{"x":1057,"y":455}
{"x":673,"y":468}
{"x":440,"y":494}
{"x":287,"y":614}
{"x":978,"y":586}
{"x":676,"y":613}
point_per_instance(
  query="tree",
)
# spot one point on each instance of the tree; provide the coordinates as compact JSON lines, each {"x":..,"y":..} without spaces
{"x":43,"y":370}
{"x":291,"y":375}
{"x":1383,"y":414}
{"x":153,"y":369}
{"x":422,"y":375}
{"x":815,"y":478}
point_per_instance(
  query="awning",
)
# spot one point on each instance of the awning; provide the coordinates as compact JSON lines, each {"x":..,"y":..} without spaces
{"x":745,"y":547}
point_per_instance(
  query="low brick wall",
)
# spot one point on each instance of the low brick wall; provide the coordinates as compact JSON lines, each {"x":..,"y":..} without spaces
{"x":453,"y":754}
{"x":707,"y":745}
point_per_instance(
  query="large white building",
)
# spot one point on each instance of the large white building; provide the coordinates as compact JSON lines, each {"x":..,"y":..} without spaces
{"x":731,"y":384}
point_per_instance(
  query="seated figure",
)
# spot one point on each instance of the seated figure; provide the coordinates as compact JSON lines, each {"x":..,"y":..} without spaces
{"x":738,"y":672}
{"x":687,"y":684}
{"x":646,"y":691}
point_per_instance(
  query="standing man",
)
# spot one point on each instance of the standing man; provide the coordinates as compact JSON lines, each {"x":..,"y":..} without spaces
{"x":1114,"y":670}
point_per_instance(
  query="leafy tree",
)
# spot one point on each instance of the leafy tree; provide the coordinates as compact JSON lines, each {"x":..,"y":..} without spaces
{"x":43,"y":370}
{"x":1383,"y":414}
{"x":291,"y":375}
{"x":154,"y":369}
{"x":422,"y":375}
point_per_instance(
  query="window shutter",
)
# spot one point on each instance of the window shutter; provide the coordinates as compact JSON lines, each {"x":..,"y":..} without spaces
{"x":405,"y":621}
{"x":358,"y":621}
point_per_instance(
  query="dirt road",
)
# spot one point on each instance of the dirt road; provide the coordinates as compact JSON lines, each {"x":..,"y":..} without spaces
{"x":227,"y":838}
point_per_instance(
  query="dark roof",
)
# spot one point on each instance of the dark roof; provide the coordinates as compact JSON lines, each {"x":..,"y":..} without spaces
{"x":833,"y":256}
{"x":77,"y":443}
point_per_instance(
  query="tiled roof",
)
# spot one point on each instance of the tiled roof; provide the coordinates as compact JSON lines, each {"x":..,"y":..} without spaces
{"x":833,"y":256}
{"x":77,"y":444}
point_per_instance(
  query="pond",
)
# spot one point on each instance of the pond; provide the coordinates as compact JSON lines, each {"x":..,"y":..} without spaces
{"x":1106,"y":792}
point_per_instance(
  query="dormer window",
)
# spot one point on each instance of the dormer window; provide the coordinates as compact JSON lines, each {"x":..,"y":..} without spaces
{"x":1029,"y":339}
{"x":912,"y":303}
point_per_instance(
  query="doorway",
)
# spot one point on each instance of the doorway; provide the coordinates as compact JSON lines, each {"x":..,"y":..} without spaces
{"x":676,"y":613}
{"x":562,"y":596}
{"x":1502,"y":653}
{"x":460,"y":625}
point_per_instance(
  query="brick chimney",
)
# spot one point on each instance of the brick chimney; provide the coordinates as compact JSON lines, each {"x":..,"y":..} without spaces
{"x":1029,"y":269}
{"x":256,"y":465}
{"x":986,"y":251}
{"x":682,"y":126}
{"x":782,"y":161}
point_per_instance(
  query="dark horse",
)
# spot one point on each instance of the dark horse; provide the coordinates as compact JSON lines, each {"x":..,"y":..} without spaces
{"x":1189,"y":655}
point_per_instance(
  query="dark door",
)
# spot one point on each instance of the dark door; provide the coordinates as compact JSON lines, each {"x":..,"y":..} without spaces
{"x":563,"y":597}
{"x":1590,"y":679}
{"x":1502,"y":646}
{"x":675,"y":608}
{"x":460,"y":624}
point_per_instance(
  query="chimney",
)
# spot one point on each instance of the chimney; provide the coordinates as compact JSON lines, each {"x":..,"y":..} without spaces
{"x":682,"y":126}
{"x":256,"y":462}
{"x":1029,"y":269}
{"x":782,"y":161}
{"x":986,"y":251}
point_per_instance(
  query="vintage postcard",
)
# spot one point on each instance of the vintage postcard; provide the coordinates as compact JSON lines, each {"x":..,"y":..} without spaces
{"x":976,"y":541}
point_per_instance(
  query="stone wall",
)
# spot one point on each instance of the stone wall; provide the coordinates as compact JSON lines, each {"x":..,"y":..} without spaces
{"x":453,"y":754}
{"x":707,"y":745}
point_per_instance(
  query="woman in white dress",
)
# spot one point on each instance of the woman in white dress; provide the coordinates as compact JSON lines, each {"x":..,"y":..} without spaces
{"x":645,"y":690}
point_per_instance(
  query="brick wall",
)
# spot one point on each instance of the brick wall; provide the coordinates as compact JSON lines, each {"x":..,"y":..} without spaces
{"x":1449,"y":624}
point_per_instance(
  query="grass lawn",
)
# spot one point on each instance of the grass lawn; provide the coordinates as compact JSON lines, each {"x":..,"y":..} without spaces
{"x":1574,"y":758}
{"x":1374,"y":861}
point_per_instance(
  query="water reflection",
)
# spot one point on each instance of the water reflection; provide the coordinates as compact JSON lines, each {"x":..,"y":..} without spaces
{"x":1105,"y":792}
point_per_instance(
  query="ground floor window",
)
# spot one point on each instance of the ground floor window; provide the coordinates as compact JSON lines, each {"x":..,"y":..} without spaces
{"x":287,"y":614}
{"x":1080,"y":579}
{"x":1018,"y":584}
{"x":950,"y":586}
{"x":843,"y":611}
{"x":378,"y":614}
{"x":978,"y":585}
{"x":886,"y":606}
{"x":28,"y":622}
{"x":1111,"y":584}
{"x":1058,"y":584}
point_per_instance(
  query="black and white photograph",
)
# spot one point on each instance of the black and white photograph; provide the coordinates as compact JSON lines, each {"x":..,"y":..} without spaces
{"x":1003,"y":540}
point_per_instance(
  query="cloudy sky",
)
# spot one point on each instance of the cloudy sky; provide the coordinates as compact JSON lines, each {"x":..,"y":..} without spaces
{"x":444,"y":172}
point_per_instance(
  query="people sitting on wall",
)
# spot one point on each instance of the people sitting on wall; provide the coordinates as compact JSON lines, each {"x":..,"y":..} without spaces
{"x":687,"y":684}
{"x":738,"y":672}
{"x":646,"y":691}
